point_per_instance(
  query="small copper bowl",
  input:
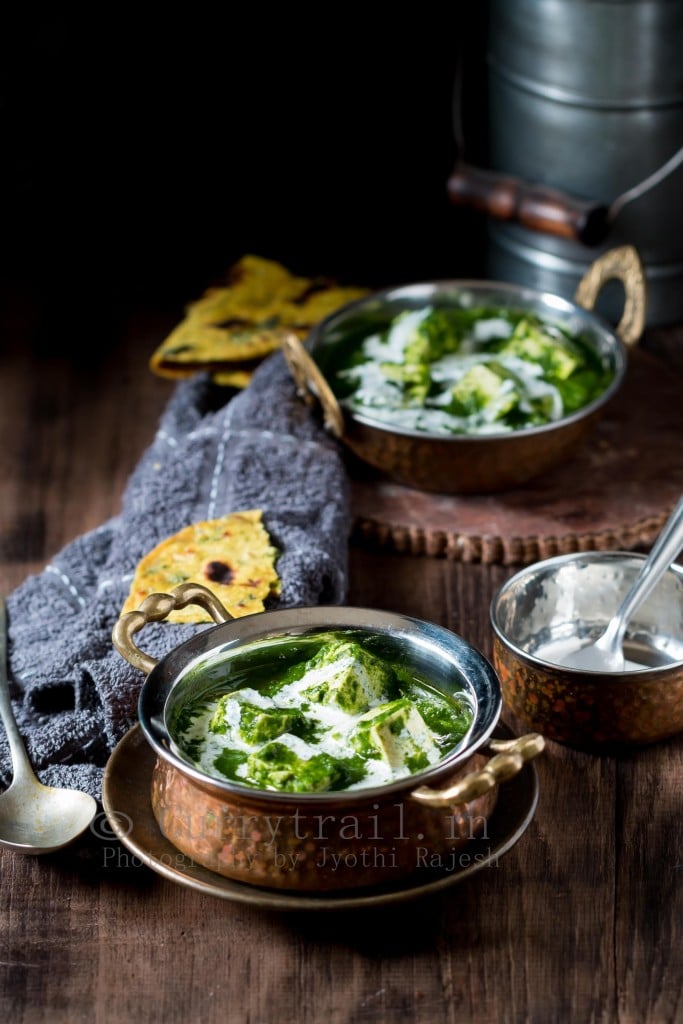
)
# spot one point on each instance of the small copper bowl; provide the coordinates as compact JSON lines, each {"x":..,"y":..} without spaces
{"x":575,"y":596}
{"x":318,"y":841}
{"x":462,"y":464}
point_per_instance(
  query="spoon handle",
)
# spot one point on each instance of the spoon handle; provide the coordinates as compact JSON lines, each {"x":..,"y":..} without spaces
{"x":16,"y":744}
{"x":663,"y":553}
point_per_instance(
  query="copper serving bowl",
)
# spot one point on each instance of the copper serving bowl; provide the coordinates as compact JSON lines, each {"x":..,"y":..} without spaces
{"x":318,"y":841}
{"x":572,"y":597}
{"x":461,"y":464}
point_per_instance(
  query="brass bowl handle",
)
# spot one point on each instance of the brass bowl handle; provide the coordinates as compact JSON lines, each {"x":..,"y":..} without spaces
{"x":510,"y":758}
{"x":155,"y":608}
{"x":621,"y":264}
{"x":311,"y":384}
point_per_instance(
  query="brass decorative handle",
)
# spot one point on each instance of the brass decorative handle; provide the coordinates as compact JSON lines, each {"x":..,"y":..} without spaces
{"x":311,"y":384}
{"x":621,"y":264}
{"x":155,"y":608}
{"x":510,"y":757}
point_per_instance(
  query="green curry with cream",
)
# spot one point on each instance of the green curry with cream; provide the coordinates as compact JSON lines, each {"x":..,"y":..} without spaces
{"x":448,"y":370}
{"x":342,"y":717}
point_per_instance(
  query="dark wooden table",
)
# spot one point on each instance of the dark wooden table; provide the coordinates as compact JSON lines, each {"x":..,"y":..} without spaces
{"x":581,"y":921}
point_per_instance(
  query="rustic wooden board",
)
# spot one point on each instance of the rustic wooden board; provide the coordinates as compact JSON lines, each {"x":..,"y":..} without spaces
{"x":615,"y":491}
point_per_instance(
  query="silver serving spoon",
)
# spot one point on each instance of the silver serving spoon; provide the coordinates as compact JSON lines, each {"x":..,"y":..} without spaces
{"x":606,"y":653}
{"x":34,"y":818}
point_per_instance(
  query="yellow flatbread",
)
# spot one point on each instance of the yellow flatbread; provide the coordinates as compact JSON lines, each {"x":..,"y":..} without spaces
{"x":192,"y":347}
{"x":232,"y":556}
{"x":232,"y":378}
{"x":230,"y":329}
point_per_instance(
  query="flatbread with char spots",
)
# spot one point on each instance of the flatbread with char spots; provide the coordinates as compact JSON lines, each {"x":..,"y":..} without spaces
{"x":232,"y":556}
{"x":230,"y":329}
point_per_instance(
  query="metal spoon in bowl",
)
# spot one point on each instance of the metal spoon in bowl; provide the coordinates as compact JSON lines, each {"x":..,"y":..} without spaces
{"x":606,"y":653}
{"x":34,"y":818}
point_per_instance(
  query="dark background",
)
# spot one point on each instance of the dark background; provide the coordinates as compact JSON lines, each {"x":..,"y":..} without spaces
{"x":142,"y":157}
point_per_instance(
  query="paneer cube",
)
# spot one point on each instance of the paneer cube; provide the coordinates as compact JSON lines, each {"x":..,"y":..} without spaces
{"x":529,"y":342}
{"x":482,"y":388}
{"x":397,"y":733}
{"x":277,"y":766}
{"x":344,"y":674}
{"x":257,"y":724}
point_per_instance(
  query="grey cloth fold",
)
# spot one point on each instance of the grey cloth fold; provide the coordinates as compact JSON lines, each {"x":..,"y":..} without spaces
{"x":73,"y":693}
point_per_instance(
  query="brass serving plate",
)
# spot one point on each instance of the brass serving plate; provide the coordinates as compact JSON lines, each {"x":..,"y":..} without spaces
{"x":126,"y":798}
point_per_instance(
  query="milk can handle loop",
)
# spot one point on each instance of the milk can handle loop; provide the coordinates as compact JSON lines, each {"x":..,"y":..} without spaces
{"x":155,"y":608}
{"x":622,"y":264}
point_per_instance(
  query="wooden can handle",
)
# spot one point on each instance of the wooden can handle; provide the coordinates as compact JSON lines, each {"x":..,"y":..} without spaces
{"x":534,"y":206}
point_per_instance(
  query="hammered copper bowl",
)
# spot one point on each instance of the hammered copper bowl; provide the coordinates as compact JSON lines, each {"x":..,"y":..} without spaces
{"x":318,"y":841}
{"x":461,"y":464}
{"x":575,"y":596}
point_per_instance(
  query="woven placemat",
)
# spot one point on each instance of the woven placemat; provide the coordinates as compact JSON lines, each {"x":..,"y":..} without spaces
{"x":614,"y":492}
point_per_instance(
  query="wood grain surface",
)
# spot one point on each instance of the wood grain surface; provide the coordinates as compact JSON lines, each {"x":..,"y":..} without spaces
{"x":581,"y":921}
{"x":614,"y":491}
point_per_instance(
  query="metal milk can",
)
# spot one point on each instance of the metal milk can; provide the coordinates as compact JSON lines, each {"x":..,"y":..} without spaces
{"x":585,"y":143}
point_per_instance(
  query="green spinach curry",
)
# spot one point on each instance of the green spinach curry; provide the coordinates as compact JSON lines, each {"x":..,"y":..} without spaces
{"x":449,"y":370}
{"x":341,"y":718}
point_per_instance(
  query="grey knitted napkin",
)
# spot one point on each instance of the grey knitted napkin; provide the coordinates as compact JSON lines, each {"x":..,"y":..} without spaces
{"x":73,"y":693}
